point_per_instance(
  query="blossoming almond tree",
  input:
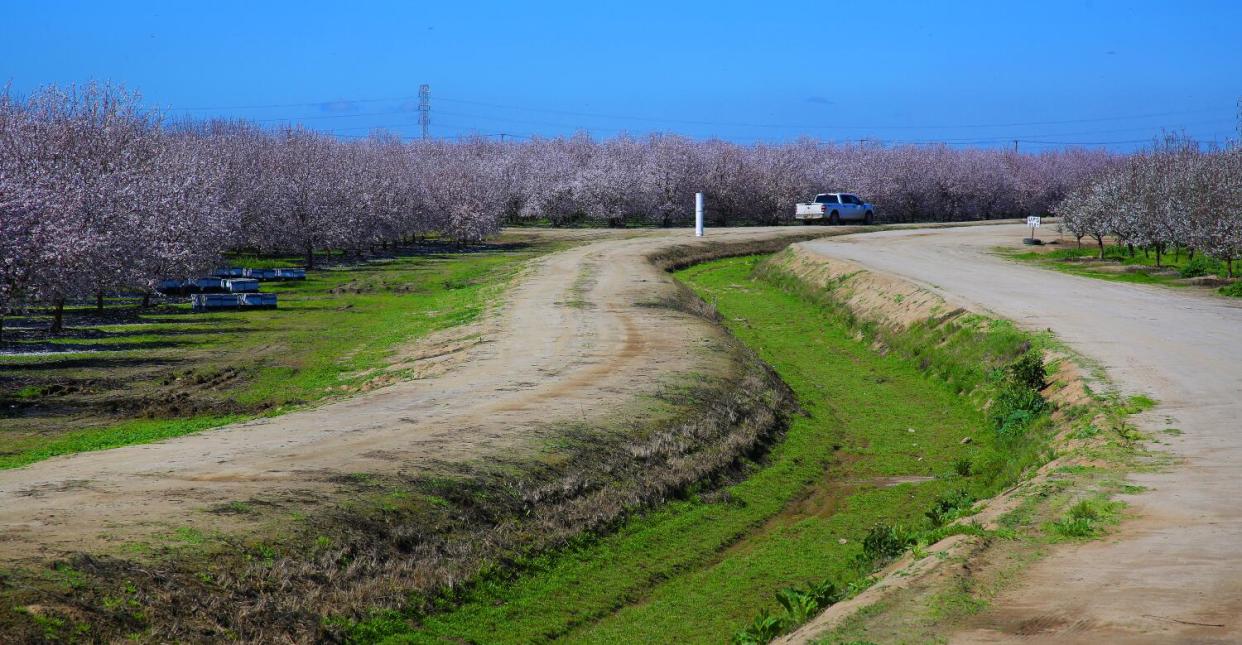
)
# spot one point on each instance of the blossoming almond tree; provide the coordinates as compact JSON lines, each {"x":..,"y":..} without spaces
{"x":98,"y":195}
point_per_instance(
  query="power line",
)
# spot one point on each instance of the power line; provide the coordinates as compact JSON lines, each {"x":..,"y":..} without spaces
{"x":327,"y":116}
{"x":752,"y":140}
{"x":471,"y":135}
{"x":571,"y":126}
{"x":320,"y":103}
{"x":1087,"y":143}
{"x":284,"y":105}
{"x":424,"y":110}
{"x":424,"y":123}
{"x":1027,"y":137}
{"x":821,"y":126}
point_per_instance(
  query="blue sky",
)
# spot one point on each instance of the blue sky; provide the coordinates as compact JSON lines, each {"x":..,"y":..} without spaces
{"x":969,"y":73}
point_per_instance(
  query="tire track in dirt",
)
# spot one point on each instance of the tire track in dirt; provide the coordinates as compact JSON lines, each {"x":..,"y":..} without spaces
{"x":1172,"y":574}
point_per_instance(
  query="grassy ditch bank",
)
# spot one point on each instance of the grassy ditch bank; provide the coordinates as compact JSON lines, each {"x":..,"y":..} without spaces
{"x":130,"y":375}
{"x":889,"y":447}
{"x":1064,"y":449}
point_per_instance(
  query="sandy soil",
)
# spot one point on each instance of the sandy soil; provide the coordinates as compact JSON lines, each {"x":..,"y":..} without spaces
{"x":1172,"y":574}
{"x":570,"y":342}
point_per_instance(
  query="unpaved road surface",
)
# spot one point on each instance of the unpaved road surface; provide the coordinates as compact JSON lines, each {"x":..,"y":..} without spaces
{"x":1173,"y":574}
{"x":570,"y":342}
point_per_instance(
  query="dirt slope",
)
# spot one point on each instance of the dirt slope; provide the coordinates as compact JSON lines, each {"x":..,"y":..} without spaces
{"x":571,"y":342}
{"x":1172,"y":574}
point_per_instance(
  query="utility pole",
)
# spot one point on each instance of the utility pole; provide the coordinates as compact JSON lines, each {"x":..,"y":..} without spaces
{"x":1015,"y":145}
{"x":424,"y":108}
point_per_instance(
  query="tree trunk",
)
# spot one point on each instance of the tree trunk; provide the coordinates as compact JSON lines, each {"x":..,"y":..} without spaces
{"x":1131,"y":249}
{"x":99,"y":301}
{"x":310,"y":256}
{"x":1158,"y":250}
{"x":1,"y":328}
{"x":1100,"y":240}
{"x":146,"y":299}
{"x":1229,"y":268}
{"x":58,"y":317}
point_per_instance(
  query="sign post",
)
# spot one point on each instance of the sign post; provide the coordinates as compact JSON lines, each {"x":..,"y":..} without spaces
{"x":698,"y":214}
{"x":1033,"y":222}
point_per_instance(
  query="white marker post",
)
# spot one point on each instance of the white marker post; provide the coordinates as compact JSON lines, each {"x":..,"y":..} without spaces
{"x":1033,"y":222}
{"x":698,"y":214}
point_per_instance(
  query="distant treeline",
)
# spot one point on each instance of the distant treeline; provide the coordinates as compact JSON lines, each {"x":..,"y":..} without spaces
{"x":98,"y":194}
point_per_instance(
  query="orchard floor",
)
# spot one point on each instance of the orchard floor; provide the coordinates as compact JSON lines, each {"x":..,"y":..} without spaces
{"x":129,"y":374}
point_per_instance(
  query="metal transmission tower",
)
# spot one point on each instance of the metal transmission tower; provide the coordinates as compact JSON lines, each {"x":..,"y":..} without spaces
{"x":1240,"y":119}
{"x":424,"y":107}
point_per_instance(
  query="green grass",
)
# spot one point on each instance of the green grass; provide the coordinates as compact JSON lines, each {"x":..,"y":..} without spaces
{"x":1087,"y":519}
{"x":135,"y":377}
{"x":1138,"y":403}
{"x":1140,"y":267}
{"x":700,"y":569}
{"x":30,"y":450}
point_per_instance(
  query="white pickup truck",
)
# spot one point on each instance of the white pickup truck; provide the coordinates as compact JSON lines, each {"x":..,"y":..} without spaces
{"x":833,"y":208}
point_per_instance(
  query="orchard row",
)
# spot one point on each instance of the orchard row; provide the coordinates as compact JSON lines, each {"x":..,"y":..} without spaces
{"x":1175,"y":195}
{"x":98,"y":194}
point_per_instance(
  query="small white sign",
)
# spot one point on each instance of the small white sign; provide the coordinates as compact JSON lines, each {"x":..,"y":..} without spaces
{"x":1032,"y":221}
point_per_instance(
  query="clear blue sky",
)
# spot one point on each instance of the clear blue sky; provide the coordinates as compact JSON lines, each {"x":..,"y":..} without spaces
{"x":966,"y":72}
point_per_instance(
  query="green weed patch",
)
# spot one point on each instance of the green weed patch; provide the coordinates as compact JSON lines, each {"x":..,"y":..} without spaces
{"x":1132,"y":265}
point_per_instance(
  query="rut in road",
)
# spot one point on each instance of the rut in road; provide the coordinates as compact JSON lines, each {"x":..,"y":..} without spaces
{"x":1174,"y":574}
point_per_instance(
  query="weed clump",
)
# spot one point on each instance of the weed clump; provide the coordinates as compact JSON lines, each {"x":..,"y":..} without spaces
{"x":1014,"y":409}
{"x":884,"y":543}
{"x":1018,"y":401}
{"x":1087,"y":519}
{"x":1201,"y":265}
{"x":799,"y":605}
{"x":949,"y":507}
{"x":1029,"y":371}
{"x":1232,"y":290}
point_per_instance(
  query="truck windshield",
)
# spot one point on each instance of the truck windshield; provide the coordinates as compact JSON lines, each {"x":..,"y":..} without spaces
{"x":826,"y":199}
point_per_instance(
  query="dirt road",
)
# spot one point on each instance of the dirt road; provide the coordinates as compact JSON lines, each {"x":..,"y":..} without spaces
{"x":571,"y":342}
{"x":1174,"y":574}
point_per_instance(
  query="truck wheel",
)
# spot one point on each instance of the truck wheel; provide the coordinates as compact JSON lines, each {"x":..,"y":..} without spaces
{"x":834,"y":219}
{"x":869,"y":219}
